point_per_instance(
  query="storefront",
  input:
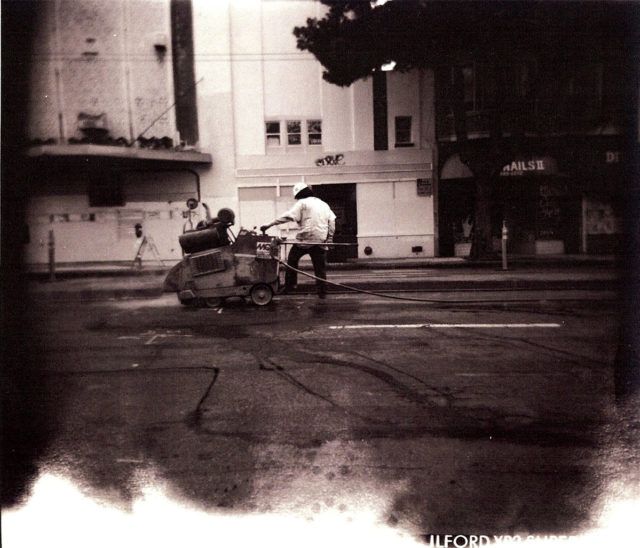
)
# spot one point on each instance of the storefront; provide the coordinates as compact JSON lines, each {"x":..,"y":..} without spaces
{"x":600,"y":172}
{"x":96,"y":203}
{"x":537,"y":202}
{"x":541,"y":212}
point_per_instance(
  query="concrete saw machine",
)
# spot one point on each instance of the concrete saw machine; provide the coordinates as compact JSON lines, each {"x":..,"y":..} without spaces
{"x":218,"y":265}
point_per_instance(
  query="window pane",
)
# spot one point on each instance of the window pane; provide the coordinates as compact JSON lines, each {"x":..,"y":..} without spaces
{"x":273,"y":133}
{"x":314,"y":126}
{"x":403,"y":123}
{"x":485,"y":88}
{"x":468,"y":75}
{"x":314,"y":129}
{"x":294,"y":132}
{"x":293,"y":126}
{"x":295,"y":139}
{"x":403,"y":129}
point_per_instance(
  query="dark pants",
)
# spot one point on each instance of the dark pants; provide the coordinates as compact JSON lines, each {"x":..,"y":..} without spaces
{"x":319,"y":260}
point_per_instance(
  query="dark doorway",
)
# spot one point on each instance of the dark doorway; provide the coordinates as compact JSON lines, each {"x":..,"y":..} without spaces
{"x":519,"y":210}
{"x":456,"y":206}
{"x":342,"y":200}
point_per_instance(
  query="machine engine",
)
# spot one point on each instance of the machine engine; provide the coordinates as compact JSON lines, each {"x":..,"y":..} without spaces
{"x":210,"y":234}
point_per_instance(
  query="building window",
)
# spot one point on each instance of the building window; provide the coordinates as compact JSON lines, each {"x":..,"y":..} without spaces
{"x":479,"y":87}
{"x":617,"y":92}
{"x":314,"y":132}
{"x":534,"y":97}
{"x":294,"y":132}
{"x":403,"y":131}
{"x":469,"y":88}
{"x":474,"y":85}
{"x":273,"y":134}
{"x":585,"y":96}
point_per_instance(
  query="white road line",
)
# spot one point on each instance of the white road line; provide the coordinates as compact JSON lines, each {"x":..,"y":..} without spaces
{"x":449,"y":325}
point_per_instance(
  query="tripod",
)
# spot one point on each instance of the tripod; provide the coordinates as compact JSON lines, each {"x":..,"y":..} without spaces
{"x":147,"y":241}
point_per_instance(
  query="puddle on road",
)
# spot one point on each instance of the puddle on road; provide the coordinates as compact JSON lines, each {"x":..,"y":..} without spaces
{"x":334,"y":302}
{"x":164,"y":301}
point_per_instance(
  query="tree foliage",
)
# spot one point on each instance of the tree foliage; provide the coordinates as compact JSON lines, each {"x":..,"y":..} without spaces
{"x":355,"y":38}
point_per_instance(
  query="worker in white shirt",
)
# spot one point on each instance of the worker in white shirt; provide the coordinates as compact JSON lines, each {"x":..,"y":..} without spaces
{"x":317,"y":223}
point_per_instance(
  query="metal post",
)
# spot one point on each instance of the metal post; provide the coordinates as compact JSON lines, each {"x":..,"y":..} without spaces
{"x":52,"y":257}
{"x":505,"y":235}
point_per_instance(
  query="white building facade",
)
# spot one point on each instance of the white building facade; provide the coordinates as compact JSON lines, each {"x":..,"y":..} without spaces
{"x":112,"y":145}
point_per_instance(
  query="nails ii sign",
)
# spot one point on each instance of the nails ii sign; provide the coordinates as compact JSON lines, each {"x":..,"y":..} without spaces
{"x":534,"y":166}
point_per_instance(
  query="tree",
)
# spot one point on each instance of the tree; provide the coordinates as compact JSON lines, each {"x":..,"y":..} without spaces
{"x":355,"y":38}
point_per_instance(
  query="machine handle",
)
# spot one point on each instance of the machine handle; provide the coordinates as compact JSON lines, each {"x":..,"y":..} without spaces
{"x":312,"y":242}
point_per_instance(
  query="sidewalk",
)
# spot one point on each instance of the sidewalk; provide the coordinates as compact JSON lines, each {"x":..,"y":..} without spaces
{"x":89,"y":281}
{"x":124,"y":268}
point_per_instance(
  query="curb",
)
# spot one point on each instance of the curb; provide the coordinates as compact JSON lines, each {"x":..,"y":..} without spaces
{"x":71,"y":274}
{"x":100,"y":293}
{"x":72,"y":271}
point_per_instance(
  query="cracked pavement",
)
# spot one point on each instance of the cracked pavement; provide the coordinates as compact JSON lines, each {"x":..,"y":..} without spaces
{"x":263,"y":411}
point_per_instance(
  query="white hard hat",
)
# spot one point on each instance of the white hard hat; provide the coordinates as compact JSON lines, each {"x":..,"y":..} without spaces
{"x":298,"y":187}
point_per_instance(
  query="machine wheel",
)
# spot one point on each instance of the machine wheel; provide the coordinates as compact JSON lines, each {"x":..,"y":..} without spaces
{"x":261,"y":294}
{"x":212,"y":302}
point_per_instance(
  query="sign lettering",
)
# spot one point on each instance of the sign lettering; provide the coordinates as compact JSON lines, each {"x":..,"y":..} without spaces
{"x":612,"y":157}
{"x":544,"y":165}
{"x":263,"y":250}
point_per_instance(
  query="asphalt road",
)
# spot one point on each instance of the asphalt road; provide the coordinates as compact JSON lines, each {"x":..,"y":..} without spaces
{"x":493,"y":417}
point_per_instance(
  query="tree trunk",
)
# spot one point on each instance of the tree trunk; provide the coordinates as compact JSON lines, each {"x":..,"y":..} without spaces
{"x":478,"y":160}
{"x":482,"y":241}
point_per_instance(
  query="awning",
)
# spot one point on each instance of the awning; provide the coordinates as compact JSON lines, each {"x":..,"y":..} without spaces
{"x":453,"y":168}
{"x":115,"y":156}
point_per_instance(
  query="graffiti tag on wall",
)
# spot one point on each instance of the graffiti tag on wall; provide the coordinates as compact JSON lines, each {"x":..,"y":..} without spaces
{"x":331,"y":160}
